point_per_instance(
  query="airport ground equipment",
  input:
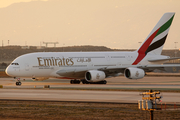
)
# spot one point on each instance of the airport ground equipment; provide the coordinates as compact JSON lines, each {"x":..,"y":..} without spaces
{"x":149,"y":102}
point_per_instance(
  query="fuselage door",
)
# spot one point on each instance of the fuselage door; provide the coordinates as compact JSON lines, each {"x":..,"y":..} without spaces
{"x":27,"y":67}
{"x":119,"y":64}
{"x":128,"y":57}
{"x":108,"y":57}
{"x":90,"y":64}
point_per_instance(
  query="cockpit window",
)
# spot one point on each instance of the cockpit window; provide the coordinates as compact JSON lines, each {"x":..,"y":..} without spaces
{"x":14,"y":64}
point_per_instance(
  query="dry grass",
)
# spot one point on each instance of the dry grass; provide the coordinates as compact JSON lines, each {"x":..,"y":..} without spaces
{"x":20,"y":110}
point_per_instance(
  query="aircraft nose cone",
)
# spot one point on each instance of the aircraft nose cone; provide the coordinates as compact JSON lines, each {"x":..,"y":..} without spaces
{"x":9,"y":71}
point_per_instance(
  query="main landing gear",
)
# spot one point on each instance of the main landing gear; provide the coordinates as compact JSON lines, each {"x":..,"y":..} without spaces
{"x":100,"y":82}
{"x":86,"y":82}
{"x":18,"y":83}
{"x":75,"y":81}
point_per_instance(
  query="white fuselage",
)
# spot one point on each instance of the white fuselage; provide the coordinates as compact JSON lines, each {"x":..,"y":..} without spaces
{"x":47,"y":64}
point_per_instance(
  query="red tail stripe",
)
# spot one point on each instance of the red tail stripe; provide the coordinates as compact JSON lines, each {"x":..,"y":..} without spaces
{"x":144,"y":47}
{"x":139,"y":58}
{"x":146,"y":44}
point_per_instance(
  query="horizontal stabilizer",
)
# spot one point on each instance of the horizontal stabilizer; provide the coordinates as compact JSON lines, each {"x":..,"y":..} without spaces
{"x":161,"y":66}
{"x":164,"y":59}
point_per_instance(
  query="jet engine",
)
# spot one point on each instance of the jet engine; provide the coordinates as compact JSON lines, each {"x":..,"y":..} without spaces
{"x":94,"y":76}
{"x":40,"y":78}
{"x":134,"y":73}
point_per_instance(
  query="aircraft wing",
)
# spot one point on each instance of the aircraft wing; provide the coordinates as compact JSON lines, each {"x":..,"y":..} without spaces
{"x":113,"y":71}
{"x":146,"y":68}
{"x":80,"y":73}
{"x":73,"y":73}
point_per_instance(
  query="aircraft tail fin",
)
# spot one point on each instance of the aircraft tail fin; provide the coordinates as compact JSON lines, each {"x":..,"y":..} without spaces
{"x":154,"y":43}
{"x":156,"y":39}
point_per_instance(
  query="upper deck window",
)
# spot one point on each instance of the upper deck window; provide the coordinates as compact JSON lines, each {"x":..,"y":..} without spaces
{"x":14,"y":64}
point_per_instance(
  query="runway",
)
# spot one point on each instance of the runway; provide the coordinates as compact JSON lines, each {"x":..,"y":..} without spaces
{"x":90,"y":92}
{"x":158,"y":83}
{"x":81,"y":95}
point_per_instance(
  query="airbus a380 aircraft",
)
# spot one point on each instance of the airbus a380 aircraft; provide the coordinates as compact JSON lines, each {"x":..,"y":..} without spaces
{"x":94,"y":67}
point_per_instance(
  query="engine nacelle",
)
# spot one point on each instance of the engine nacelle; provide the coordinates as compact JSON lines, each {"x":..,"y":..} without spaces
{"x":40,"y":78}
{"x":134,"y":73}
{"x":94,"y":76}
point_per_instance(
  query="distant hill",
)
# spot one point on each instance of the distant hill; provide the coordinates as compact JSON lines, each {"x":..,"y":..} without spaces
{"x":9,"y":53}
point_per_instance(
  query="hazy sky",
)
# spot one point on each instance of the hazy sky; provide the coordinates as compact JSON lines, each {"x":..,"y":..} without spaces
{"x":112,"y":23}
{"x":5,"y":3}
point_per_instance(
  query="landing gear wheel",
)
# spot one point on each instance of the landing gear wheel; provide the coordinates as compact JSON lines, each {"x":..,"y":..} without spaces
{"x":75,"y":81}
{"x":78,"y":82}
{"x":85,"y":81}
{"x":18,"y":83}
{"x":100,"y":82}
{"x":104,"y":82}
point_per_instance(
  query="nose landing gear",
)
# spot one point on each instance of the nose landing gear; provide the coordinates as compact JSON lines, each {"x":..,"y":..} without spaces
{"x":18,"y":83}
